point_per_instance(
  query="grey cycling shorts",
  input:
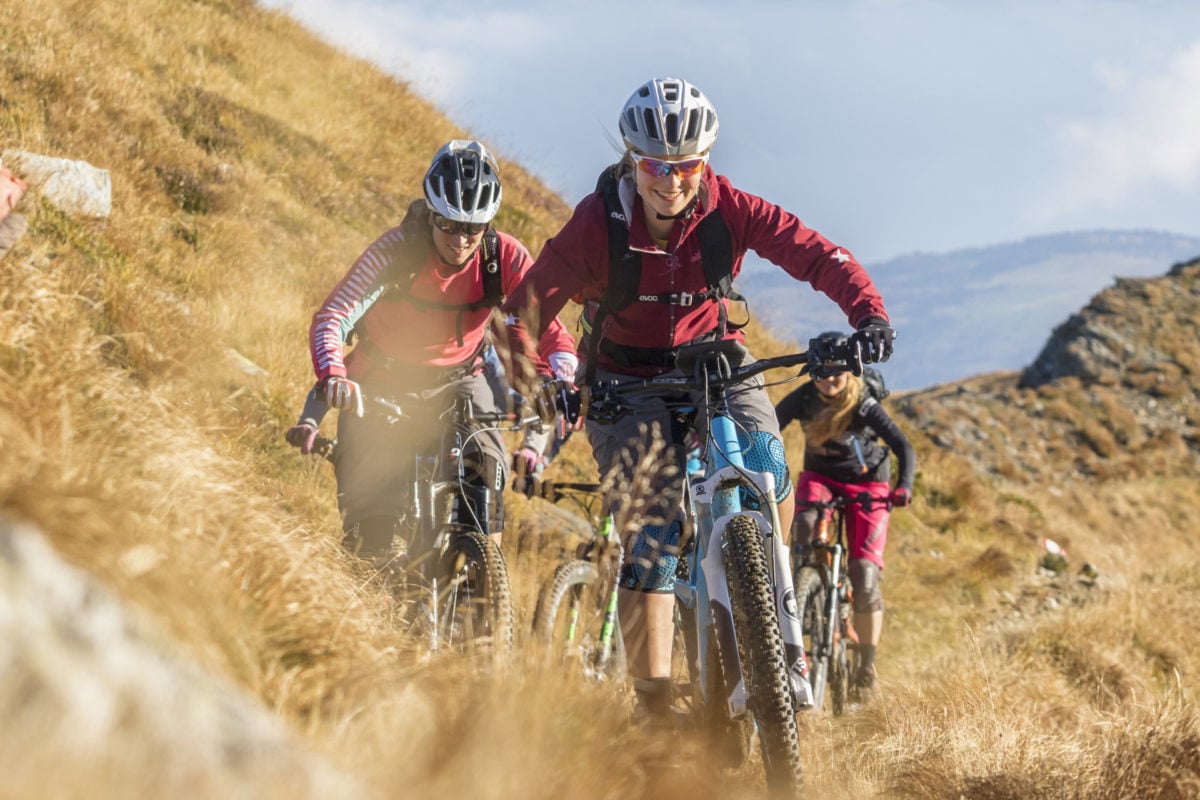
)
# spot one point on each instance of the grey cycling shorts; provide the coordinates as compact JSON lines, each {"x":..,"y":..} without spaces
{"x":375,"y":456}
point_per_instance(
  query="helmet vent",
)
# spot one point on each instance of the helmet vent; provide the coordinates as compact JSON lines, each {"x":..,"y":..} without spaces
{"x":470,"y":169}
{"x":691,"y":130}
{"x":485,"y":197}
{"x":651,"y":125}
{"x":671,"y":135}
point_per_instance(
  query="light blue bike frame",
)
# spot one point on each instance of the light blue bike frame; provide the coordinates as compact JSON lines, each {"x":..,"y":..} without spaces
{"x":717,"y":500}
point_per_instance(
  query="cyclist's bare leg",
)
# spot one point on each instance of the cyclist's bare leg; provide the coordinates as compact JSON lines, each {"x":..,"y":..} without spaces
{"x":648,"y":626}
{"x":869,"y":626}
{"x":800,"y":526}
{"x":802,"y":523}
{"x":868,"y":619}
{"x":787,"y":511}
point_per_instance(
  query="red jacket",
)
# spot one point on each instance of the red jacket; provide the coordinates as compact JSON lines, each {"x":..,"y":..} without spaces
{"x":575,"y":262}
{"x":405,"y":331}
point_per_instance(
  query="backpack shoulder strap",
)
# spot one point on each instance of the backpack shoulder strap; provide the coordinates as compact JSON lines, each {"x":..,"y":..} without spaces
{"x":624,"y":267}
{"x":493,"y":290}
{"x":873,"y":381}
{"x":716,"y":253}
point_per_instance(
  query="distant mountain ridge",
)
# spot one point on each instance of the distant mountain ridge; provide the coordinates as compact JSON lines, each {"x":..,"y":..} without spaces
{"x":974,"y":310}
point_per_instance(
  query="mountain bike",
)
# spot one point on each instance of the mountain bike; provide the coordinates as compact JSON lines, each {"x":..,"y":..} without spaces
{"x":735,"y":602}
{"x":576,"y":616}
{"x":447,"y":578}
{"x":823,"y":604}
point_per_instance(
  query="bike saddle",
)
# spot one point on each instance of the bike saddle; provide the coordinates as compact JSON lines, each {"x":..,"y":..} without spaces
{"x":690,"y":355}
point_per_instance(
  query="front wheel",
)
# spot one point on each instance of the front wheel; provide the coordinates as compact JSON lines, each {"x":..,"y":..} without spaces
{"x":764,"y":660}
{"x":839,"y":677}
{"x":810,"y":608}
{"x":474,"y":602}
{"x":576,"y":619}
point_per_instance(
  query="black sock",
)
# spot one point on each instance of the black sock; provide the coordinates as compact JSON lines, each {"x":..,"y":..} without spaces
{"x":654,"y":694}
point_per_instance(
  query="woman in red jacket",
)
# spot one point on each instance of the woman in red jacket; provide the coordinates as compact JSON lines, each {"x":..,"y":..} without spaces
{"x":677,"y":238}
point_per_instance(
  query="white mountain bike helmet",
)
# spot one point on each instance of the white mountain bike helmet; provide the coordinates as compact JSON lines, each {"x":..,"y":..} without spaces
{"x":668,"y":117}
{"x":463,"y":182}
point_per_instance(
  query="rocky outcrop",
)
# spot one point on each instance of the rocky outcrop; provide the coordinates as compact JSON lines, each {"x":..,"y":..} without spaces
{"x":1113,"y":393}
{"x":1138,"y":326}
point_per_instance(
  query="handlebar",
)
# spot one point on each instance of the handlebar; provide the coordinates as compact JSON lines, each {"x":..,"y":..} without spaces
{"x":512,"y":419}
{"x":866,"y":499}
{"x":324,"y":446}
{"x":715,"y":366}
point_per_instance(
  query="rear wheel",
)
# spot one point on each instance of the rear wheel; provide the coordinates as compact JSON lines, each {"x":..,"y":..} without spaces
{"x":475,"y":612}
{"x":576,"y":619}
{"x":810,"y":608}
{"x":764,"y":661}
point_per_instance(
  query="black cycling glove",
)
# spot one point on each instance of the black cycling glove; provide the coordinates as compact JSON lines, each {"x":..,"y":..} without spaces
{"x":874,"y":337}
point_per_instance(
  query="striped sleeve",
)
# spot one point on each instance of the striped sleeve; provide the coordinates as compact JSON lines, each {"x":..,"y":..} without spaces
{"x":347,"y":303}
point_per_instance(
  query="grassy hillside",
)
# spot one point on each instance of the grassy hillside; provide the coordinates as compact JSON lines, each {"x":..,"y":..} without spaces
{"x":250,"y":165}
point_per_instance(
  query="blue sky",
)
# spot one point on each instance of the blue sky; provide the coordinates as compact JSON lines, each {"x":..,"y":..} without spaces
{"x":892,"y":126}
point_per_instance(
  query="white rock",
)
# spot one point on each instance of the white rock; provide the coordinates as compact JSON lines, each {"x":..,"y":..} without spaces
{"x":75,"y":187}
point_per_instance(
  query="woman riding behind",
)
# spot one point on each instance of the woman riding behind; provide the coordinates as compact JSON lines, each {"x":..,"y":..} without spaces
{"x":843,"y":457}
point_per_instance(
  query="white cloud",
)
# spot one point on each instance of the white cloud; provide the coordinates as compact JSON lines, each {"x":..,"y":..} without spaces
{"x":1151,"y":141}
{"x":912,"y":123}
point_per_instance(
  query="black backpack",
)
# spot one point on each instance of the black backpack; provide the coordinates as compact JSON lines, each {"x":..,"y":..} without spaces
{"x":625,"y":269}
{"x":873,"y":381}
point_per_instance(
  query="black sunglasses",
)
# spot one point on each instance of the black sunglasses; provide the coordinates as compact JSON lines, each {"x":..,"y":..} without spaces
{"x":451,"y":227}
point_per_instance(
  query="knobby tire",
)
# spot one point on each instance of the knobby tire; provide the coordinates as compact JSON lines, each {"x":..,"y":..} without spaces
{"x":477,"y":598}
{"x":839,"y":679}
{"x":579,"y":590}
{"x":764,"y":663}
{"x":810,"y":608}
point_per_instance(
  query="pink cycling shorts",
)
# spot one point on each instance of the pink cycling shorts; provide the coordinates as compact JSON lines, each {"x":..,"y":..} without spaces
{"x":866,"y":530}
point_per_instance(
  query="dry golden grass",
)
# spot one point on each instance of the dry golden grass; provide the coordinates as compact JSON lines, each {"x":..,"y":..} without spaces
{"x":250,"y":165}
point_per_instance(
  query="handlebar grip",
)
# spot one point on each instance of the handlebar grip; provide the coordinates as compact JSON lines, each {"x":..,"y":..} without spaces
{"x":324,"y":446}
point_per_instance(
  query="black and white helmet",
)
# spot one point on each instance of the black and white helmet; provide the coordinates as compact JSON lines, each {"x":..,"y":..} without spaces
{"x":668,"y":117}
{"x":463,"y":182}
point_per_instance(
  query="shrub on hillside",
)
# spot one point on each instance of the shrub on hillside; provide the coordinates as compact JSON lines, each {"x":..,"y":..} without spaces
{"x":1098,"y":437}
